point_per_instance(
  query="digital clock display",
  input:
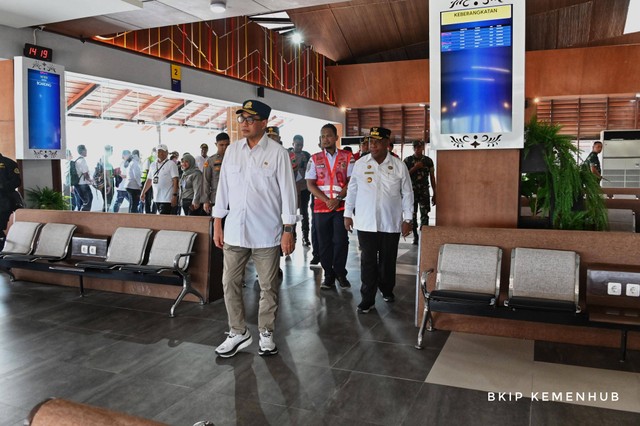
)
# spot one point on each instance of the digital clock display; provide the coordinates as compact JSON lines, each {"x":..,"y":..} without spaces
{"x":38,"y":52}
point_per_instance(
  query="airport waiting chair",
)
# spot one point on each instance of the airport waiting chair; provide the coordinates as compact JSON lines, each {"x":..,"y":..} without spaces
{"x":170,"y":252}
{"x":542,"y":279}
{"x":466,"y":275}
{"x":20,"y":239}
{"x":53,"y":244}
{"x":126,"y":247}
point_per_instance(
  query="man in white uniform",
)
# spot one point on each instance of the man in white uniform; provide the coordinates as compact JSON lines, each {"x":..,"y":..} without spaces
{"x":163,"y":176}
{"x":257,"y":196}
{"x":380,"y":192}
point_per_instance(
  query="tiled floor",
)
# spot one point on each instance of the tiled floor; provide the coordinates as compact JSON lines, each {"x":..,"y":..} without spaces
{"x":334,"y":367}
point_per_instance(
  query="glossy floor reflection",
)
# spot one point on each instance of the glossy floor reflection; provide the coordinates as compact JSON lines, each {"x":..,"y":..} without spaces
{"x":334,"y":366}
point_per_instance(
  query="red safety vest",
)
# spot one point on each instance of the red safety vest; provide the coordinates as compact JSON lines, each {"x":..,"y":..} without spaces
{"x":329,"y":181}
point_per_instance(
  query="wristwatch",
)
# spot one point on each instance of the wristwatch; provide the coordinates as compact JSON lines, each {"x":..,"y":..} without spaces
{"x":408,"y":221}
{"x":339,"y":198}
{"x":288,"y":228}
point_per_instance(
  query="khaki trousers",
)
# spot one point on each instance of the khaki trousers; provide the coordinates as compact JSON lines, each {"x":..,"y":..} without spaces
{"x":267,"y":262}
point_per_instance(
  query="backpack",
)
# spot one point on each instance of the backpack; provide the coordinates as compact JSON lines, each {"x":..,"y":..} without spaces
{"x":74,"y":178}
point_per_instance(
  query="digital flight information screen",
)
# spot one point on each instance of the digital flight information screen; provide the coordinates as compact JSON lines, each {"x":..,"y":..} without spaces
{"x":44,"y":93}
{"x":476,"y":60}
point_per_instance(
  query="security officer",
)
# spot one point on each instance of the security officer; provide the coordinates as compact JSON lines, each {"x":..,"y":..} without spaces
{"x":593,"y":162}
{"x":9,"y":181}
{"x":421,"y":170}
{"x":211,"y":172}
{"x":202,"y":158}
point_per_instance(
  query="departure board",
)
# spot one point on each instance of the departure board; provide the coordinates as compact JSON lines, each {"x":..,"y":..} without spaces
{"x":476,"y":38}
{"x":476,"y":70}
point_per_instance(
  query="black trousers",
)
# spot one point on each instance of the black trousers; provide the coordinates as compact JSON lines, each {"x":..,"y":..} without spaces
{"x":4,"y":221}
{"x":379,"y":251}
{"x":303,"y":204}
{"x":164,"y":208}
{"x":134,"y":199}
{"x":314,"y":234}
{"x":333,"y":243}
{"x":84,"y":191}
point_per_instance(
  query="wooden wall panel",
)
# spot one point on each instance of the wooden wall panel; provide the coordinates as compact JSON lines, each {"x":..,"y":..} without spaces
{"x":478,"y":188}
{"x":565,"y":72}
{"x":7,"y":127}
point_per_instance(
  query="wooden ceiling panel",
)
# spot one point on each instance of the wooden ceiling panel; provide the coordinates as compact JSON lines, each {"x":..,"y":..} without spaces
{"x":570,"y":34}
{"x":413,"y":20}
{"x":546,"y":34}
{"x":608,"y":19}
{"x":362,"y":31}
{"x":368,"y":28}
{"x":321,"y":30}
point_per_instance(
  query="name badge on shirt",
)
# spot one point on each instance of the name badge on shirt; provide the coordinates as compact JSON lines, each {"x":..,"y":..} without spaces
{"x":155,"y":180}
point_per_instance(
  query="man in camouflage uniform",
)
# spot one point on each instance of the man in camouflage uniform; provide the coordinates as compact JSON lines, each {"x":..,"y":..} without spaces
{"x":422,"y":171}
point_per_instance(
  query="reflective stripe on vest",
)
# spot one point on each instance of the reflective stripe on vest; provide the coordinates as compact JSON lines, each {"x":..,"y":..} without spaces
{"x":330,"y":181}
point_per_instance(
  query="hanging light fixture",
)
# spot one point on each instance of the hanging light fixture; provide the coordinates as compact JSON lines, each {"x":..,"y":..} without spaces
{"x":218,"y":6}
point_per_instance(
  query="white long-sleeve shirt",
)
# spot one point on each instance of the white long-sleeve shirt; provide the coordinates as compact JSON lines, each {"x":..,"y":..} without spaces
{"x":381,"y":195}
{"x":256,"y":193}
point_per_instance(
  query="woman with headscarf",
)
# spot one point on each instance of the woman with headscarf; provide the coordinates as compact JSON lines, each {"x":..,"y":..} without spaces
{"x":191,"y":193}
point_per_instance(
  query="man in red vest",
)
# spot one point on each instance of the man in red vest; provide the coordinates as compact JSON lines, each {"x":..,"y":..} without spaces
{"x":327,"y":178}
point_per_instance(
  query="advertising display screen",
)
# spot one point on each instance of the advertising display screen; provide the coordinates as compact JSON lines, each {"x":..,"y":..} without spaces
{"x":39,"y":109}
{"x":44,"y":92}
{"x":476,"y":73}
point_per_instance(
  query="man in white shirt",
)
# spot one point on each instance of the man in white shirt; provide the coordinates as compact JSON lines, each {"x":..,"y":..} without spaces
{"x":257,"y":196}
{"x":380,"y":192}
{"x":202,"y":158}
{"x":84,"y":188}
{"x":163,"y":176}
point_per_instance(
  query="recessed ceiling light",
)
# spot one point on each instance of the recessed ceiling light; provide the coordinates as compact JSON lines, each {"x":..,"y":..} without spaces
{"x":296,"y":38}
{"x":218,"y":6}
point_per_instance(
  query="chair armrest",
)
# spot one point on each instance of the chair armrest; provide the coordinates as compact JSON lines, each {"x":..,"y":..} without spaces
{"x":176,"y":260}
{"x":423,"y":281}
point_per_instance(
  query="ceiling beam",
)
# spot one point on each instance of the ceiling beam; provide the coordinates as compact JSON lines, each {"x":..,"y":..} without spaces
{"x":123,"y":94}
{"x":76,"y":99}
{"x":145,"y":107}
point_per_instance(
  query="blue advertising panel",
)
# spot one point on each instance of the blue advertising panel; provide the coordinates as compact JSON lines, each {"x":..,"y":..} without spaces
{"x":39,"y":109}
{"x":44,"y":110}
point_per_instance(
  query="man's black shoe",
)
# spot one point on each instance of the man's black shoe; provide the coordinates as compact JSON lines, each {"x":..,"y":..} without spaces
{"x":362,"y":309}
{"x":415,"y":241}
{"x":328,"y":284}
{"x":344,"y":282}
{"x":389,"y":298}
{"x":315,"y":260}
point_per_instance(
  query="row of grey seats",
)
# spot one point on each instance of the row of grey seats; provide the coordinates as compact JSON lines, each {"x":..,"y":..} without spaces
{"x":31,"y":243}
{"x":539,"y":279}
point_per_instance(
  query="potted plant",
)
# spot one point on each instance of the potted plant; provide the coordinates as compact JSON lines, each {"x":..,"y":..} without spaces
{"x":47,"y":198}
{"x":568,"y":194}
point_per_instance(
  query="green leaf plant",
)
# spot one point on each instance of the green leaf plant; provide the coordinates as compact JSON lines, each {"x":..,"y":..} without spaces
{"x":568,"y":192}
{"x":47,"y":199}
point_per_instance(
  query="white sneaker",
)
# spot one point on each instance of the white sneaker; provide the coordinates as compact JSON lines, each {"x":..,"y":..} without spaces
{"x":234,"y":343}
{"x":267,"y":345}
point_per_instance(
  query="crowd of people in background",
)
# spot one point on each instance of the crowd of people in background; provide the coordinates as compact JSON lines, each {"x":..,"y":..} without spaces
{"x":163,"y":182}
